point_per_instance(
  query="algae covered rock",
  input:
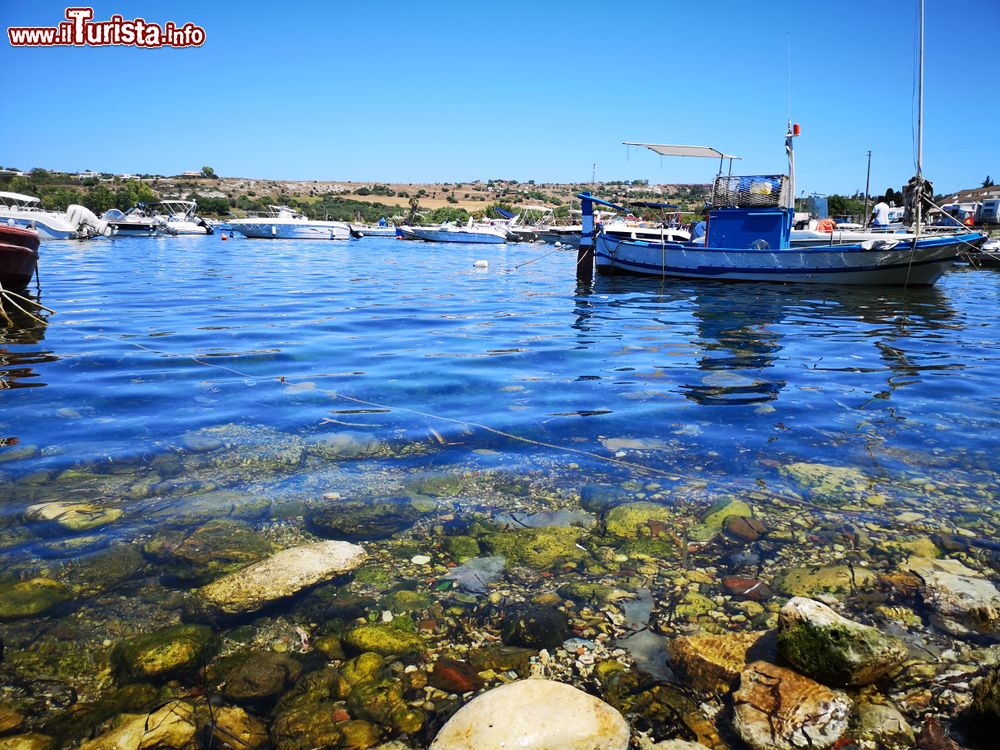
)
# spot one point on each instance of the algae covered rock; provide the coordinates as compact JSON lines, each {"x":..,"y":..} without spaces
{"x":461,"y":547}
{"x":359,"y":734}
{"x":534,"y":715}
{"x":809,"y":581}
{"x":70,"y":516}
{"x":540,"y":548}
{"x":360,"y":520}
{"x":255,"y":678}
{"x":832,"y":484}
{"x":383,"y":639}
{"x":582,"y":591}
{"x":164,"y":653}
{"x":883,"y":726}
{"x":381,"y":701}
{"x":32,"y":741}
{"x":348,"y":444}
{"x":716,"y":516}
{"x":303,"y":718}
{"x":195,"y":557}
{"x":832,"y":649}
{"x":632,"y":519}
{"x":31,"y":597}
{"x":405,"y":601}
{"x":277,"y":577}
{"x":362,"y":668}
{"x":778,"y":709}
{"x":535,"y":626}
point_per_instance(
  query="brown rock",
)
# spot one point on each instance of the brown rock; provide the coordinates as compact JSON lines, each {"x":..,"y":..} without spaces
{"x":744,"y":527}
{"x":454,"y":676}
{"x":711,"y":663}
{"x":933,"y":737}
{"x":9,"y":719}
{"x":747,"y":588}
{"x":778,"y":709}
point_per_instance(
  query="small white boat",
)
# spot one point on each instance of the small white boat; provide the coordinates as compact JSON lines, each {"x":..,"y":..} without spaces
{"x":76,"y":222}
{"x":284,"y":223}
{"x":373,"y":230}
{"x":470,"y":233}
{"x":178,"y":217}
{"x":567,"y":234}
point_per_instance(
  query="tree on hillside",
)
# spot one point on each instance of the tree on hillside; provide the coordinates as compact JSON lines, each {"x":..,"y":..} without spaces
{"x":987,"y":182}
{"x":208,"y":172}
{"x":411,"y":217}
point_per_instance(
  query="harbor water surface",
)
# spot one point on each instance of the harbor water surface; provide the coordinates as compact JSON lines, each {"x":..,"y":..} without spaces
{"x":185,"y":380}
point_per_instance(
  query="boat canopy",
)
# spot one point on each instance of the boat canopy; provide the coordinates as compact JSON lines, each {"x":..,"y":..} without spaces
{"x":21,"y":197}
{"x":700,"y":151}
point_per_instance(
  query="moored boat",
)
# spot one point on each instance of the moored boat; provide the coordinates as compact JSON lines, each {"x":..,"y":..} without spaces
{"x":470,"y":233}
{"x":748,"y":238}
{"x":284,"y":223}
{"x":18,"y":256}
{"x":138,"y":221}
{"x":76,"y":222}
{"x":178,"y":217}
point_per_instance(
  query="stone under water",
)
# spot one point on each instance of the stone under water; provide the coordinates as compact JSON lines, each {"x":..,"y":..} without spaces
{"x":534,"y":715}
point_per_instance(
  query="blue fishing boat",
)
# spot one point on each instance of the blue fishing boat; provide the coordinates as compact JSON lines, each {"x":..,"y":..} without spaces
{"x":748,"y":237}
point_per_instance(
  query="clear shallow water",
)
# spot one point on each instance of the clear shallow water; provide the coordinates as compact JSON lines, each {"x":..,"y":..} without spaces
{"x":409,"y":343}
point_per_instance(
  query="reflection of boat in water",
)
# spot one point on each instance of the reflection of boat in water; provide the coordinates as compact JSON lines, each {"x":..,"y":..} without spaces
{"x":17,"y":362}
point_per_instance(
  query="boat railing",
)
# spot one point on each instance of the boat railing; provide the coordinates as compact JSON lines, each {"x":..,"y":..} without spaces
{"x":754,"y":191}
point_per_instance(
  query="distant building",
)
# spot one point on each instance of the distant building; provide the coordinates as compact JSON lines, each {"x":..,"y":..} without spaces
{"x":11,"y":173}
{"x":199,"y":173}
{"x":128,"y":177}
{"x":975,"y":195}
{"x":88,"y":175}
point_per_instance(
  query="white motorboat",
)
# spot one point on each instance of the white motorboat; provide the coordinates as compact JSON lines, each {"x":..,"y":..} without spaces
{"x":178,"y":217}
{"x":471,"y":233}
{"x":567,"y":234}
{"x":76,"y":222}
{"x":381,"y":229}
{"x":138,"y":221}
{"x":284,"y":223}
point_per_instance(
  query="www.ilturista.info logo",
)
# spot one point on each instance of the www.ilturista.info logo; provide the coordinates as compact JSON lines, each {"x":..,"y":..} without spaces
{"x":78,"y":30}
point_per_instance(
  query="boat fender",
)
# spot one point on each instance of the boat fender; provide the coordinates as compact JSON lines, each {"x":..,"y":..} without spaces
{"x":224,"y":238}
{"x":274,"y":230}
{"x":481,"y":264}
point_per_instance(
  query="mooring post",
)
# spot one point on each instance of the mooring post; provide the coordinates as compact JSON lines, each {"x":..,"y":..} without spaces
{"x":585,"y":255}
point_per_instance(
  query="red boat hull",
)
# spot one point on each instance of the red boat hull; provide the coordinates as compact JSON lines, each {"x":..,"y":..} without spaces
{"x":18,"y":256}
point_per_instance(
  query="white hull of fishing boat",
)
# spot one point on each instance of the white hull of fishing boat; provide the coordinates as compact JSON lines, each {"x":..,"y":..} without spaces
{"x":374,"y":231}
{"x":563,"y":235}
{"x":291,"y":230}
{"x":874,"y":262}
{"x":478,"y":235}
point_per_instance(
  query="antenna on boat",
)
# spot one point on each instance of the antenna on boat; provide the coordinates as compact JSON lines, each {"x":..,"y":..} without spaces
{"x":793,"y":131}
{"x":920,"y":119}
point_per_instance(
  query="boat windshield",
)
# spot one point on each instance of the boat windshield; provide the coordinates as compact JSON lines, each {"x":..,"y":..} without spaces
{"x":21,"y":201}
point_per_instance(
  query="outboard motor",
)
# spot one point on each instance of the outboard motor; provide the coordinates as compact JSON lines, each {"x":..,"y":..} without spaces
{"x":86,"y":221}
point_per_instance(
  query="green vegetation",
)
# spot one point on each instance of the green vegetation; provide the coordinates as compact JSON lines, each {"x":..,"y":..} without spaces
{"x":208,"y":172}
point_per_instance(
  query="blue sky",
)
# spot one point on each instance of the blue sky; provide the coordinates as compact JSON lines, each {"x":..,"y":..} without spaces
{"x":440,"y":91}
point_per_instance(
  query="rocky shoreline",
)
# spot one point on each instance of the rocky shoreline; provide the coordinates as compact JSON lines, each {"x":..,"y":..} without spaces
{"x":830,"y":614}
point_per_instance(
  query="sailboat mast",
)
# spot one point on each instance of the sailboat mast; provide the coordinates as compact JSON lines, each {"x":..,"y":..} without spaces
{"x":920,"y":96}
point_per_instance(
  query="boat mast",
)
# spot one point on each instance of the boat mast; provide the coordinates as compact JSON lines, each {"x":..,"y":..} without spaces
{"x":920,"y":121}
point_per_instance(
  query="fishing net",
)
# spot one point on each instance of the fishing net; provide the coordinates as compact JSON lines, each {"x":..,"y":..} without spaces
{"x":759,"y":191}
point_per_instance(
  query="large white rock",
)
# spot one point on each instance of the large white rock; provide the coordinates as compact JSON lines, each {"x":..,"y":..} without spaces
{"x":279,"y":576}
{"x":534,"y":715}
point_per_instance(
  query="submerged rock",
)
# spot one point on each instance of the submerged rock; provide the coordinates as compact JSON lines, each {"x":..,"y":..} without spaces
{"x":542,"y":548}
{"x":474,"y":576}
{"x":279,"y":576}
{"x":31,"y":597}
{"x":164,"y":653}
{"x":716,"y":516}
{"x":211,"y":550}
{"x":515,"y":520}
{"x":832,"y":484}
{"x":360,"y":520}
{"x":383,"y":639}
{"x":232,"y":728}
{"x":823,"y":579}
{"x":963,"y":602}
{"x":534,"y":715}
{"x":255,"y":678}
{"x":535,"y":626}
{"x":632,"y":519}
{"x":985,"y":708}
{"x":832,"y":649}
{"x":711,"y":663}
{"x":461,"y":547}
{"x":455,"y":676}
{"x":348,"y":444}
{"x":382,"y":701}
{"x":778,"y":709}
{"x":31,"y":741}
{"x":172,"y":727}
{"x":882,"y":726}
{"x":74,"y":517}
{"x":303,"y":719}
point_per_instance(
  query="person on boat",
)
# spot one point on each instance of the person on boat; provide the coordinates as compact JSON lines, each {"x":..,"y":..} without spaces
{"x":880,"y":214}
